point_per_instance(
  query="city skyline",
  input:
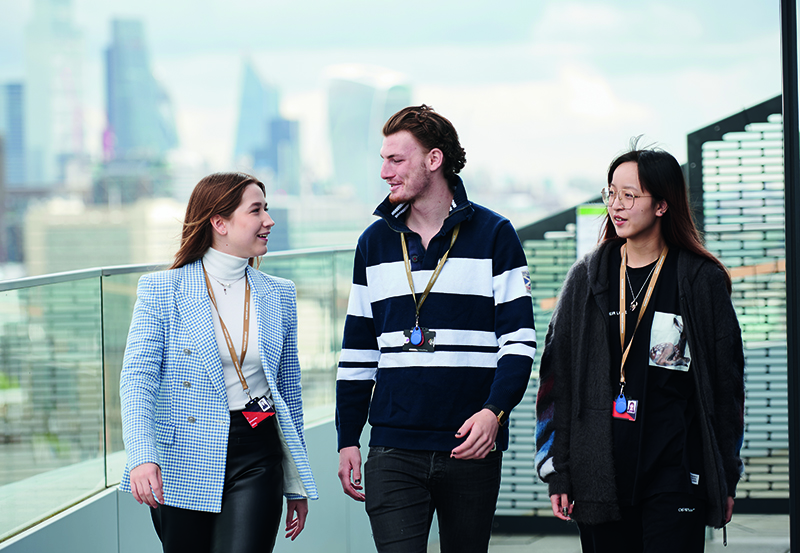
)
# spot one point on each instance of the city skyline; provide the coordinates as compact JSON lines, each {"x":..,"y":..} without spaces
{"x":528,"y":87}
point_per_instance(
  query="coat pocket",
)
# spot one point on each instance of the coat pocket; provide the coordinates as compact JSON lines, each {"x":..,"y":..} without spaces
{"x":165,"y":433}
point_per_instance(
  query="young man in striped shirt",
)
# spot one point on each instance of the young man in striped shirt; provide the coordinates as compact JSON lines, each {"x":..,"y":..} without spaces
{"x":438,"y":346}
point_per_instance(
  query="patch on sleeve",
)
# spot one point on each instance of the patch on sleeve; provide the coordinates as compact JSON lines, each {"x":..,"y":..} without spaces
{"x":526,"y":278}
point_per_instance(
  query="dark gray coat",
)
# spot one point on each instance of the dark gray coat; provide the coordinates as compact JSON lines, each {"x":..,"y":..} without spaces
{"x":573,"y":433}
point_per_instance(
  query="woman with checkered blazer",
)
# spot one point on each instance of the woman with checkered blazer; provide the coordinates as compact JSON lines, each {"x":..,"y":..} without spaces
{"x":210,"y":385}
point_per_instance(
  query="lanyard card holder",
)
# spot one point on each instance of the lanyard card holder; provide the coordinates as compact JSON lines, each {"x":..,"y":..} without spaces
{"x":628,"y":411}
{"x":419,"y":339}
{"x":258,"y":409}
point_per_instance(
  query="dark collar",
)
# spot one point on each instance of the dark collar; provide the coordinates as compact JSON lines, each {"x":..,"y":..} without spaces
{"x":460,"y":210}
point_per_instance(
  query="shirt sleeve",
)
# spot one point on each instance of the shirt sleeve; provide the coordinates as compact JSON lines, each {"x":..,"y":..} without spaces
{"x":140,"y":378}
{"x":727,"y":378}
{"x":514,"y":326}
{"x":289,"y":386}
{"x":553,"y":401}
{"x":358,"y":362}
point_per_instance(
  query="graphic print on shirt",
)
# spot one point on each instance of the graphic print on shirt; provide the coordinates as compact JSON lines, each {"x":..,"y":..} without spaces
{"x":669,"y":348}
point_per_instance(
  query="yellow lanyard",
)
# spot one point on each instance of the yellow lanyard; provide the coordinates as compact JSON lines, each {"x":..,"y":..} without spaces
{"x":237,"y":361}
{"x":435,"y":274}
{"x":622,"y":311}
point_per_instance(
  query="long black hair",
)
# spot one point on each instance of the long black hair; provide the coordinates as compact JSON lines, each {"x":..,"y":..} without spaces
{"x":661,"y":176}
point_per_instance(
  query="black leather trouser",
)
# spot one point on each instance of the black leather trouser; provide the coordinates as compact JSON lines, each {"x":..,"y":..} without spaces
{"x":252,"y":499}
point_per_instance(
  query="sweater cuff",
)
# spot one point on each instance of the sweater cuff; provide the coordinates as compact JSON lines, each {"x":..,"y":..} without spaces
{"x":732,"y":486}
{"x":558,"y":484}
{"x":348,"y":437}
{"x":502,"y":416}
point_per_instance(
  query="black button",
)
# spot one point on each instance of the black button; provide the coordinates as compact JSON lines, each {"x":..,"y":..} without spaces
{"x":414,"y":258}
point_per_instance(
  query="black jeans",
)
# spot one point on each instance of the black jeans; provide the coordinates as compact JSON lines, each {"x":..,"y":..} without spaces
{"x":405,"y":487}
{"x":252,"y":500}
{"x":667,"y":522}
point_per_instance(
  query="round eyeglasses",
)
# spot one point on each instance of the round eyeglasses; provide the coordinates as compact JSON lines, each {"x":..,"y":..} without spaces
{"x":626,"y":197}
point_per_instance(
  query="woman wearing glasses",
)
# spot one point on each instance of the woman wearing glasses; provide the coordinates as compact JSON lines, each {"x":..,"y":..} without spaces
{"x":641,"y":394}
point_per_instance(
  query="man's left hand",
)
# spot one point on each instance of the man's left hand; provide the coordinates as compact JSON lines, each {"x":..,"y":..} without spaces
{"x":481,"y":431}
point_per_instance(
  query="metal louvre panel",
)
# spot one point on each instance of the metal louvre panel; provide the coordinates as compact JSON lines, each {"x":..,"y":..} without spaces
{"x":736,"y":166}
{"x":521,"y":492}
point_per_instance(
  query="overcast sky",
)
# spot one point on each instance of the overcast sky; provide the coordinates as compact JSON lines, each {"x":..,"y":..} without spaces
{"x":538,"y":89}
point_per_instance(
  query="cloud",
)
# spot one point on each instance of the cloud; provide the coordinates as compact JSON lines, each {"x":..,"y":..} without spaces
{"x":585,"y":23}
{"x":569,"y":20}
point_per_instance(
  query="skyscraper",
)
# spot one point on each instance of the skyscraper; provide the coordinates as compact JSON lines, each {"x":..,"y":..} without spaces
{"x":360,"y":100}
{"x":140,"y":120}
{"x":281,"y":157}
{"x":12,"y":121}
{"x":265,"y":141}
{"x":259,"y":105}
{"x":54,"y":91}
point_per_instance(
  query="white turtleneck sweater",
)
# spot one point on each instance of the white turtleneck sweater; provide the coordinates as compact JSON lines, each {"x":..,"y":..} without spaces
{"x":228,"y":269}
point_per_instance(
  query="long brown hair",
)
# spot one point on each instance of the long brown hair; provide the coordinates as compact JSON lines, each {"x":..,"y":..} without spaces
{"x":217,"y":194}
{"x":660,"y":176}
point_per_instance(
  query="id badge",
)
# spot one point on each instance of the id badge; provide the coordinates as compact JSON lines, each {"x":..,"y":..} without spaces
{"x":258,"y":409}
{"x":419,"y":339}
{"x":629,"y":413}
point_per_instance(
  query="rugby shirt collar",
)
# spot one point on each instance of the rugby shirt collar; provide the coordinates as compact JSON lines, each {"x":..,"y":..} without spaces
{"x":460,"y":209}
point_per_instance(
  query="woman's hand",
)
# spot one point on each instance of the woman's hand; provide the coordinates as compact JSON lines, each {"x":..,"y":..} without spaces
{"x":146,"y":484}
{"x":562,"y":508}
{"x":728,"y":510}
{"x":295,"y":525}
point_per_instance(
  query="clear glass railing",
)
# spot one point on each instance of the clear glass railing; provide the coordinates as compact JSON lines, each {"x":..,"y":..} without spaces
{"x":62,"y":338}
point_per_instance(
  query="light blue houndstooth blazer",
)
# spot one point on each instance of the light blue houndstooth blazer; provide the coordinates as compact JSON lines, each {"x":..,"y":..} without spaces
{"x":174,"y":404}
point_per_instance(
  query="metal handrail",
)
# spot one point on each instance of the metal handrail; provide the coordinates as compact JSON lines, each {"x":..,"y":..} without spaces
{"x":96,"y":272}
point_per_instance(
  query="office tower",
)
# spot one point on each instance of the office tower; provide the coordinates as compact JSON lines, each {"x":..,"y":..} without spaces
{"x":281,"y":157}
{"x":360,"y":100}
{"x":12,"y":129}
{"x":258,"y":107}
{"x":53,"y":90}
{"x":140,"y":120}
{"x":266,"y":143}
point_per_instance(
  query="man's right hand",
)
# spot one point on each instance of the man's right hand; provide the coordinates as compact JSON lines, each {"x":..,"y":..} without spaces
{"x":350,"y":472}
{"x":146,"y":481}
